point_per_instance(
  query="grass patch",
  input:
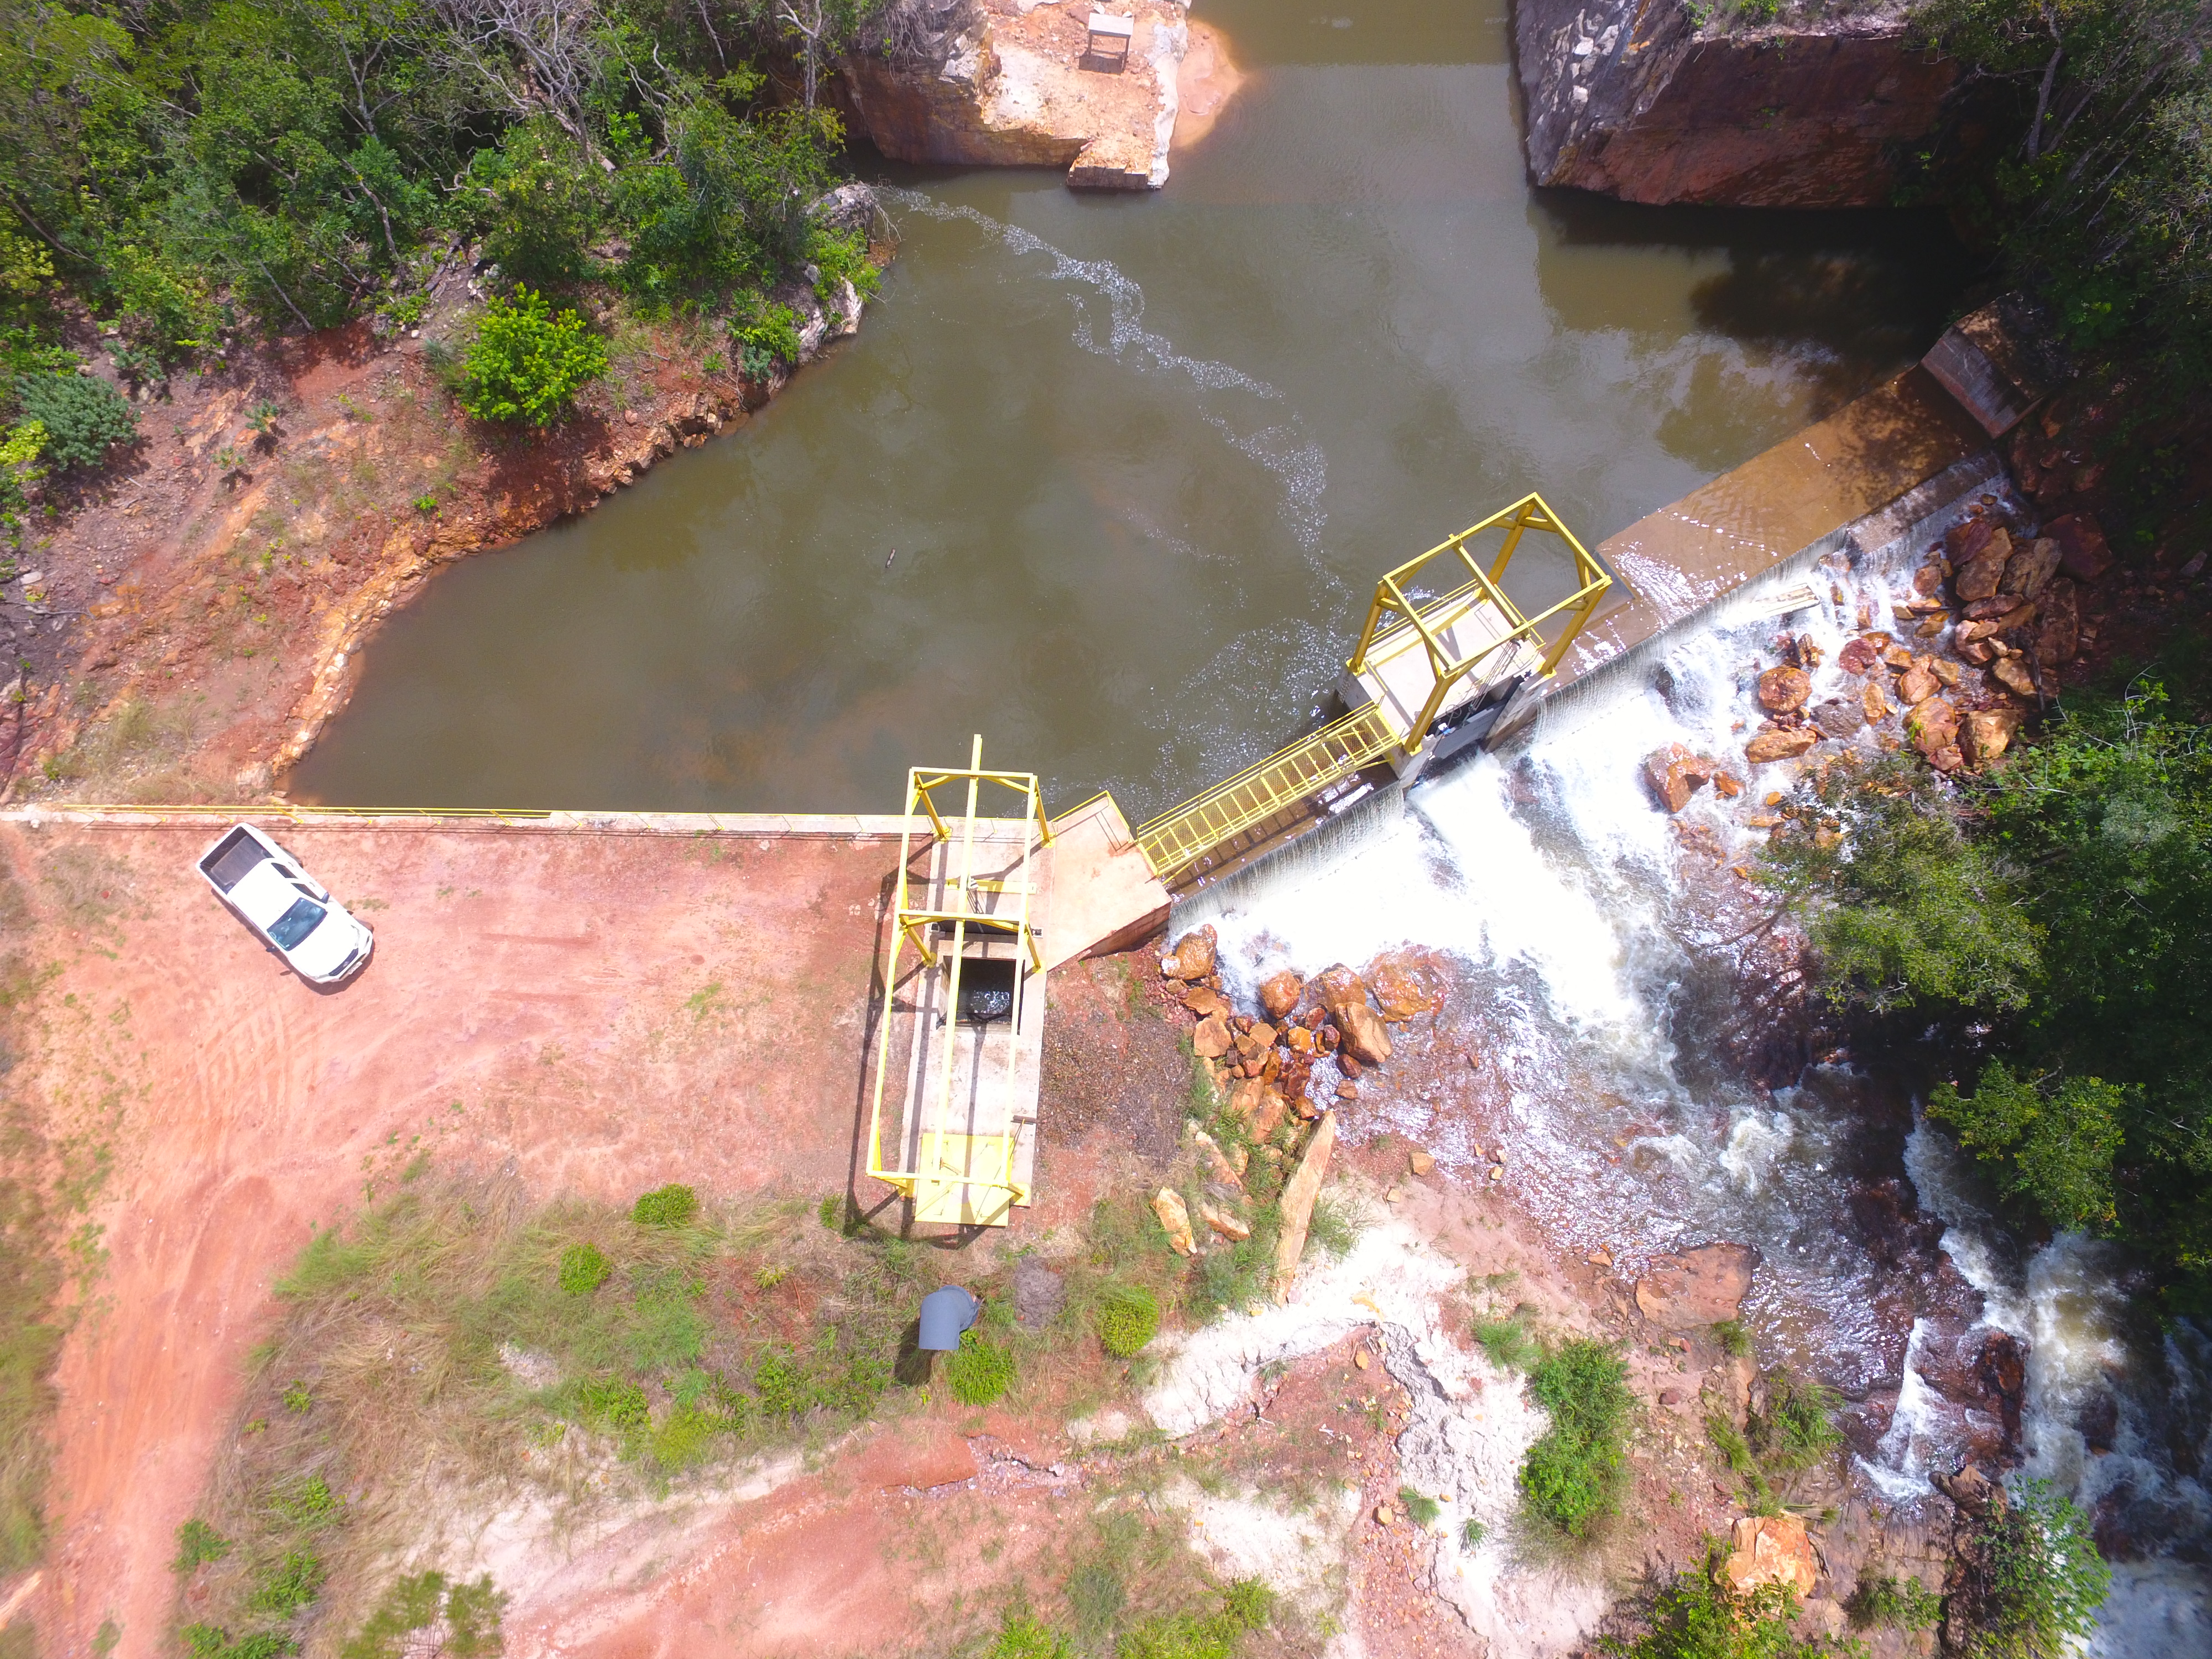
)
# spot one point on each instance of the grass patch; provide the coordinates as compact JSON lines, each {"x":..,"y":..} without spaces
{"x":1788,"y":1428}
{"x":1128,"y":1318}
{"x":979,"y":1370}
{"x":671,"y":1205}
{"x":1022,"y":1636}
{"x":463,"y":1618}
{"x":1732,"y":1339}
{"x":1419,"y":1508}
{"x":198,"y":1543}
{"x":32,"y":1226}
{"x":444,"y":1347}
{"x":1508,"y":1343}
{"x":1572,"y":1475}
{"x":1795,"y":1428}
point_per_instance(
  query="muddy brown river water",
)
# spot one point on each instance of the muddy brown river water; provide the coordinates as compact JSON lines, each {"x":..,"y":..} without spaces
{"x":1109,"y":479}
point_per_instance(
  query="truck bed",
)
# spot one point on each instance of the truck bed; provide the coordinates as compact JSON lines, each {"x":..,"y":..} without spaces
{"x":227,"y":862}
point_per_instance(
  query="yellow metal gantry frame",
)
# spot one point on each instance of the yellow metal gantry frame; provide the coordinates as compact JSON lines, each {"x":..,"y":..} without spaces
{"x":912,"y":924}
{"x":1180,"y":838}
{"x":1431,"y":621}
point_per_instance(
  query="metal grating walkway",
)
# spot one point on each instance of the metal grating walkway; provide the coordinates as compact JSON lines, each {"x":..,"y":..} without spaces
{"x":1179,"y":838}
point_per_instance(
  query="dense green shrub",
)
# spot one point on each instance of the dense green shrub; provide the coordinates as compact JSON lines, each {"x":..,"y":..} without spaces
{"x":540,"y":202}
{"x":527,"y":363}
{"x":979,"y":1370}
{"x":83,"y":418}
{"x":1915,"y":914}
{"x":1570,"y":1475}
{"x":672,"y":1205}
{"x":2088,"y":163}
{"x":1694,"y":1616}
{"x":584,"y":1268}
{"x":766,"y":336}
{"x":842,"y":256}
{"x":1128,"y":1318}
{"x":1894,"y":1603}
{"x":726,"y":208}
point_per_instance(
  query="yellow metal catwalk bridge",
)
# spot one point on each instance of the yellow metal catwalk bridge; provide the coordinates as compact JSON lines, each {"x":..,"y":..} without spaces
{"x":1425,"y":672}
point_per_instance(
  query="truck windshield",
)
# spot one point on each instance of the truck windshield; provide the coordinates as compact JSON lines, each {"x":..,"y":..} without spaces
{"x":295,"y":924}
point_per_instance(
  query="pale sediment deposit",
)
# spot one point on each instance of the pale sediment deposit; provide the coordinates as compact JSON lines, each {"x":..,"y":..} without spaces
{"x":1019,"y":85}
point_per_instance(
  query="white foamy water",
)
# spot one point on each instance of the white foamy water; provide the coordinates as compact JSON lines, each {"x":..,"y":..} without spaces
{"x":1598,"y":977}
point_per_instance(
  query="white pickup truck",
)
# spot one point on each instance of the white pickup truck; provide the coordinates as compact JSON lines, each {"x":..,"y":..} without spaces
{"x":288,"y":907}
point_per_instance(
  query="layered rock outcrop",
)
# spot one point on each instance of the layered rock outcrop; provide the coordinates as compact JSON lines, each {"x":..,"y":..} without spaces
{"x":1640,"y":99}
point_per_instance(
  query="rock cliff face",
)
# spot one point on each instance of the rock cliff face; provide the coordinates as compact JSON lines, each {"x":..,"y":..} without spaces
{"x":1016,"y":89}
{"x":1636,"y":99}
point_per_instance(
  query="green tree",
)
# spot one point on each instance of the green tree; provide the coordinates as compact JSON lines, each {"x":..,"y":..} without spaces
{"x":1903,"y":906}
{"x":2091,"y":1100}
{"x":2100,"y":191}
{"x":2034,"y":1578}
{"x":527,"y":363}
{"x":540,"y":204}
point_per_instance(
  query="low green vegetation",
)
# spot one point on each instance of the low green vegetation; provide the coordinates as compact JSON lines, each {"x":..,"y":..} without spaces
{"x":1572,"y":1475}
{"x":1789,"y":1430}
{"x":33,"y":1221}
{"x":196,"y":1543}
{"x":464,"y":1616}
{"x":671,"y":1205}
{"x":2054,"y":922}
{"x":1508,"y":1342}
{"x":1096,"y":1593}
{"x":584,"y":1268}
{"x":1690,"y":1614}
{"x":2034,"y":1580}
{"x":442,"y":1337}
{"x":1023,"y":1636}
{"x":1420,"y":1509}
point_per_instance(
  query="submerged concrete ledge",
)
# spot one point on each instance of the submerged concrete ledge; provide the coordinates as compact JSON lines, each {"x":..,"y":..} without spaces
{"x":1867,"y":455}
